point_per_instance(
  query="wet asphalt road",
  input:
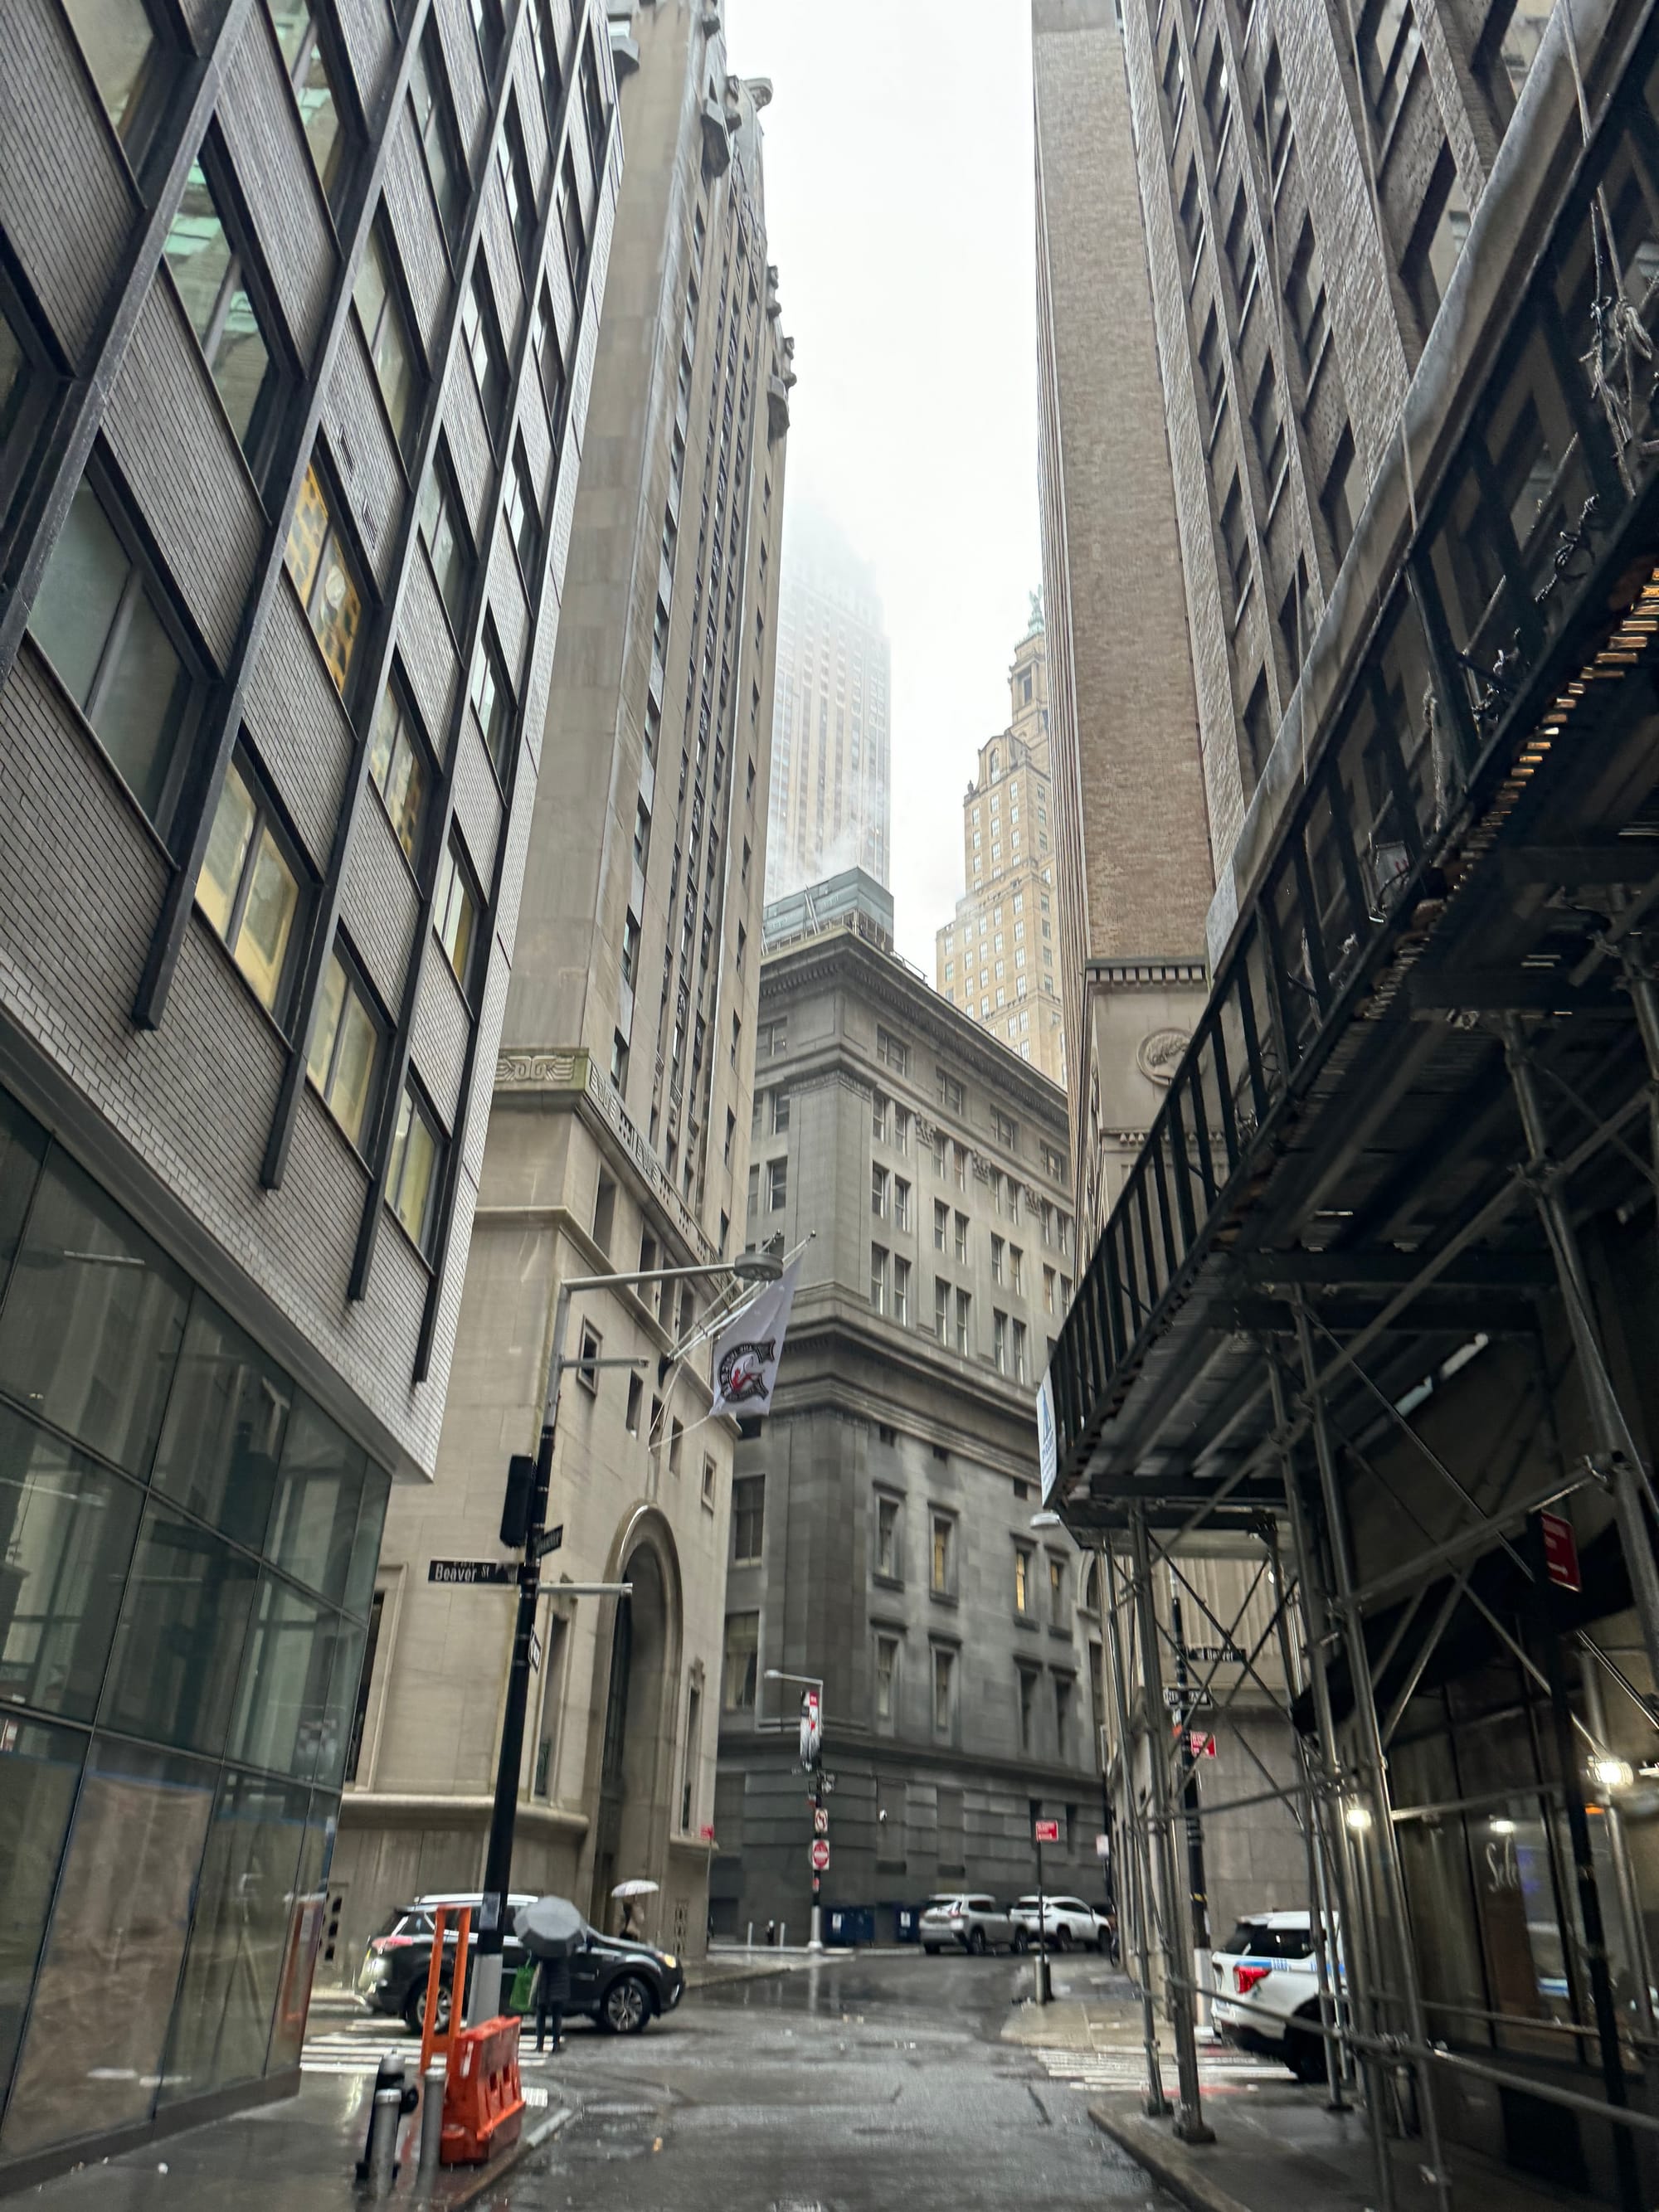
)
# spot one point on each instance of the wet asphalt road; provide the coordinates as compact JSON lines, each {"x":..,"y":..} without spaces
{"x":861,"y":2085}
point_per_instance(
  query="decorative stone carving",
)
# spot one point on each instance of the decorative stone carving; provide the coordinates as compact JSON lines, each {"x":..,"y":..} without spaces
{"x":1160,"y":1055}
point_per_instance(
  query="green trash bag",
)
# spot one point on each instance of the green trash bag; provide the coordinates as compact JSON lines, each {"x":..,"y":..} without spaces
{"x":524,"y":1983}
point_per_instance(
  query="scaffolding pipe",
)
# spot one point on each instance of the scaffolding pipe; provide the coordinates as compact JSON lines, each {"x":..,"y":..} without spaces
{"x":1373,"y":1756}
{"x":1157,"y":2104}
{"x":1624,"y":1875}
{"x":1615,"y":1447}
{"x":1190,"y":2123}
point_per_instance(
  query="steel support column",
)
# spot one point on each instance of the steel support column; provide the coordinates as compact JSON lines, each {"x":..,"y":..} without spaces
{"x":1374,"y":1765}
{"x":1624,"y":1874}
{"x":1189,"y":2125}
{"x":1157,"y":2104}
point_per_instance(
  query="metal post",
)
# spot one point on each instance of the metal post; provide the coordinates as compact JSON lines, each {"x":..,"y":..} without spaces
{"x":1353,"y":1961}
{"x":1316,"y":1907}
{"x":1156,"y":2103}
{"x":1624,"y":1874}
{"x":1190,"y":2123}
{"x":432,"y":2120}
{"x":1197,"y":1883}
{"x":1373,"y":1759}
{"x":1619,"y":1463}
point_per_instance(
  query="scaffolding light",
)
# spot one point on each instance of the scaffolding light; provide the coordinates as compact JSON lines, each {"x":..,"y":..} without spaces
{"x":1359,"y":1820}
{"x":1612,"y":1773}
{"x":1500,"y":1826}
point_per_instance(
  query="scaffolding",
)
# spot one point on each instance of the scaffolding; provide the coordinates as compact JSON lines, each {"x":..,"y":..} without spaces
{"x":1408,"y":1146}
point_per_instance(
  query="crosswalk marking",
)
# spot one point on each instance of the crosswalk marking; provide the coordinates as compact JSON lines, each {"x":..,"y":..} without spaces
{"x":341,"y":2051}
{"x":1126,"y":2069}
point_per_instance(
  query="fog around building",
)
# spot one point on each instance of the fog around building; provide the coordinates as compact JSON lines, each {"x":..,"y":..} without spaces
{"x":899,"y":209}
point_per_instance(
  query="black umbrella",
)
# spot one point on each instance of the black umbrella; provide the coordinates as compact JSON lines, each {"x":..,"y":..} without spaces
{"x":551,"y":1928}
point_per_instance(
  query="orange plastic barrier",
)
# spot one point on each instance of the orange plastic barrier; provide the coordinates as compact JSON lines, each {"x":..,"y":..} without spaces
{"x":433,"y":2042}
{"x":483,"y":2104}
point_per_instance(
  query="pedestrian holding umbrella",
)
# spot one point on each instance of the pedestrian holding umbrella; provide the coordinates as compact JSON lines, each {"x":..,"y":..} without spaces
{"x":628,"y":1891}
{"x":549,"y":1929}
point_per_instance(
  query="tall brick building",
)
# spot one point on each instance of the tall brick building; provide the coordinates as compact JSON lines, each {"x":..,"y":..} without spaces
{"x":619,"y":1133}
{"x":998,"y":956}
{"x":1132,"y":867}
{"x":297,"y":314}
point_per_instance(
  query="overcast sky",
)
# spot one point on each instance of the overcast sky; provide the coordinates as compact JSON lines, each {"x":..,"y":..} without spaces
{"x":899,"y":187}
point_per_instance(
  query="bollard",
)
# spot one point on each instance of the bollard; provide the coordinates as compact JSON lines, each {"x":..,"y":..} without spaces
{"x":377,"y":2167}
{"x":1045,"y":1988}
{"x":432,"y":2118}
{"x":783,"y":1935}
{"x":752,"y":1934}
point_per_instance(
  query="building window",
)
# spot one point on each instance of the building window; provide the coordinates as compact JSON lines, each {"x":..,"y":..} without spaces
{"x":1063,"y":1715}
{"x":999,"y":1341}
{"x":1388,"y":48}
{"x":901,"y":1203}
{"x":780,"y":1112}
{"x":523,"y":518}
{"x":1340,"y":500}
{"x":322,"y":574}
{"x":117,"y":38}
{"x":1236,"y":543}
{"x":385,"y":327}
{"x":249,"y":886}
{"x":887,"y":1661}
{"x":879,"y":1117}
{"x":879,"y":1277}
{"x":588,"y":1351}
{"x":1048,"y":1290}
{"x":944,"y":1689}
{"x":413,"y":1172}
{"x":401,"y":771}
{"x":549,"y":361}
{"x":1015,"y":1257}
{"x":887,"y":1538}
{"x":880,"y":1182}
{"x":1305,"y":296}
{"x":444,"y":533}
{"x":456,"y":908}
{"x":636,"y":1405}
{"x":997,"y":1250}
{"x":1273,"y":114}
{"x":345,"y":1045}
{"x":491,"y":696}
{"x":1268,"y":424}
{"x":97,"y":621}
{"x":512,"y":164}
{"x":594,"y":113}
{"x":481,"y":333}
{"x":1021,"y":1580}
{"x":1019,"y":1351}
{"x":742,"y":1666}
{"x":748,"y":1518}
{"x":777,"y":1185}
{"x":942,"y":1565}
{"x":209,"y":268}
{"x":434,"y":126}
{"x":1437,"y":241}
{"x":707,"y":1490}
{"x":964,"y":1322}
{"x":487,"y":30}
{"x":892,"y":1052}
{"x":961,"y":1239}
{"x":941,"y":1309}
{"x":570,"y":227}
{"x":1005,"y":1129}
{"x":1056,"y":1592}
{"x":693,"y":1753}
{"x":1027,"y":1683}
{"x":299,"y":34}
{"x":951,"y":1094}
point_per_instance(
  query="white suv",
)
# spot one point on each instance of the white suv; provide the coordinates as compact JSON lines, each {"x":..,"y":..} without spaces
{"x":1266,"y":1985}
{"x":1065,"y":1921}
{"x":967,"y":1919}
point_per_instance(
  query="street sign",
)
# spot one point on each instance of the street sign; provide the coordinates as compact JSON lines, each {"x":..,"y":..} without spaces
{"x":535,"y":1653}
{"x":812,"y":1728}
{"x":469,"y":1572}
{"x":1200,"y":1747}
{"x":1103,"y":1847}
{"x":820,"y":1819}
{"x":551,"y":1541}
{"x":1560,"y":1552}
{"x":1216,"y":1654}
{"x":820,"y":1854}
{"x":1045,"y":1831}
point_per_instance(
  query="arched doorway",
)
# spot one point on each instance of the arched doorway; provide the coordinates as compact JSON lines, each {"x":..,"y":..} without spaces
{"x":636,"y":1758}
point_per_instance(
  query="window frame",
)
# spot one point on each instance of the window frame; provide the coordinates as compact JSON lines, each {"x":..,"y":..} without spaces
{"x":480,"y":331}
{"x":429,"y":60}
{"x":742,"y":1511}
{"x":522,"y":512}
{"x":321,"y":35}
{"x":455,"y":867}
{"x":244,"y":272}
{"x":412,"y":733}
{"x":147,"y":102}
{"x":358,"y":985}
{"x":396,"y":308}
{"x":41,"y":373}
{"x":513,"y":166}
{"x":413,"y":1096}
{"x":344,"y":543}
{"x":268,"y":820}
{"x":440,"y":503}
{"x":489,"y":676}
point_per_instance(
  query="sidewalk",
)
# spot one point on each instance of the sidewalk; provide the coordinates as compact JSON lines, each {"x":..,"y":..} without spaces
{"x":1277,"y":2144}
{"x":294,"y":2156}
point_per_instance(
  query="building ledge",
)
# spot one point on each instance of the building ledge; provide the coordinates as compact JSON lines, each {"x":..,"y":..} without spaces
{"x":716,"y":139}
{"x":416,"y":1808}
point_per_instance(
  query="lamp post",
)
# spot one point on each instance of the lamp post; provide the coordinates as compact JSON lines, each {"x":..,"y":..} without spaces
{"x":812,"y":1759}
{"x":749,"y":1266}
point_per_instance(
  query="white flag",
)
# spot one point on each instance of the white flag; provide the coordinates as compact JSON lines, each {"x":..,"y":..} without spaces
{"x":747,"y":1352}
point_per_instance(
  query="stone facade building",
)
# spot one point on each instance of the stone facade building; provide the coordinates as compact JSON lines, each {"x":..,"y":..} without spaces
{"x":1132,"y":865}
{"x":882,"y":1535}
{"x":831,"y":769}
{"x":619,"y":1131}
{"x":297,"y":313}
{"x":999,"y":957}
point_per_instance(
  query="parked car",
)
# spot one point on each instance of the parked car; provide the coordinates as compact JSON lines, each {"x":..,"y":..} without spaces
{"x":1267,"y":1984}
{"x":967,"y":1920}
{"x":622,"y":1984}
{"x":1065,"y":1921}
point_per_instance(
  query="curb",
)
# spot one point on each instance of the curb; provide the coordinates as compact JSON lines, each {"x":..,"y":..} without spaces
{"x":1164,"y":2160}
{"x":488,"y":2175}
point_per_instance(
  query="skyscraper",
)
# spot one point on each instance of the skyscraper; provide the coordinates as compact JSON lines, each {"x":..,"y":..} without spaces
{"x":295,"y":307}
{"x":1132,"y":863}
{"x":831,"y":775}
{"x":998,"y":956}
{"x":619,"y":1133}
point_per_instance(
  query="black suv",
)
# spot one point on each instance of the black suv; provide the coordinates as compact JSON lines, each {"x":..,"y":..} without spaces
{"x":622,"y":1985}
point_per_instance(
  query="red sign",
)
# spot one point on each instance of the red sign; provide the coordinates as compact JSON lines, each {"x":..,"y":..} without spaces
{"x":820,"y":1854}
{"x":1560,"y":1552}
{"x":1045,"y":1831}
{"x":1201,"y":1747}
{"x":708,"y":1832}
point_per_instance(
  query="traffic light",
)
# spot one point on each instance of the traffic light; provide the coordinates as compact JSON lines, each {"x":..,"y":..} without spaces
{"x":515,"y":1506}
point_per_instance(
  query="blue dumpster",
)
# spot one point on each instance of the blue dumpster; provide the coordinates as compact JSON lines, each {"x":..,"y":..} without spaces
{"x":906,"y":1923}
{"x":848,"y":1924}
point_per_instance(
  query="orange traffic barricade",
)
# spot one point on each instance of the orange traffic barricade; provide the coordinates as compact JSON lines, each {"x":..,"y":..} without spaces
{"x":435,"y":2041}
{"x":484,"y":2103}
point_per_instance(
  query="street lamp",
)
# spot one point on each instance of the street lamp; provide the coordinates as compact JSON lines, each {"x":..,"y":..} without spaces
{"x":814,"y":1682}
{"x":753,"y":1266}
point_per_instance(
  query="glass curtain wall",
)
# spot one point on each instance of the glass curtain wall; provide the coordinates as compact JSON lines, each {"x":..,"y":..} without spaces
{"x":187,"y":1557}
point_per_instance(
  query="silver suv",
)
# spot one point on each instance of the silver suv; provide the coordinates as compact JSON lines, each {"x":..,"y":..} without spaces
{"x":1267,"y":1990}
{"x":966,"y":1920}
{"x":1065,"y":1921}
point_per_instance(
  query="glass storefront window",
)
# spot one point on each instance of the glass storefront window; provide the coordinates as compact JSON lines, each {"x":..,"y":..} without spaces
{"x":1435,"y":1860}
{"x":317,"y":1504}
{"x":305,"y":1928}
{"x":93,"y":1320}
{"x":239,"y":1938}
{"x":183,"y":1622}
{"x":366,"y":1551}
{"x":282,"y":1701}
{"x":349,"y":1639}
{"x":39,"y":1767}
{"x":226,"y":1421}
{"x":22,"y":1145}
{"x":107,"y":1985}
{"x":67,"y":1528}
{"x":1516,"y":1901}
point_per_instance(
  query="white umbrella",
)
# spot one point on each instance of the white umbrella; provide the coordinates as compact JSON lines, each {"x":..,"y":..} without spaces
{"x":635,"y":1889}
